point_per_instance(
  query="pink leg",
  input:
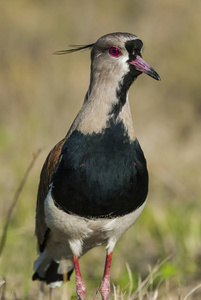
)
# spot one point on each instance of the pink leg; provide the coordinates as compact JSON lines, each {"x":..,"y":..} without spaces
{"x":105,"y":284}
{"x":80,"y":286}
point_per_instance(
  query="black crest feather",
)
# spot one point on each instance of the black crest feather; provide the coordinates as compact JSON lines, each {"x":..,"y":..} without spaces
{"x":74,"y":49}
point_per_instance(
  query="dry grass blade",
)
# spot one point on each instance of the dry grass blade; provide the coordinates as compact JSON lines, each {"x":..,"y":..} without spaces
{"x":130,"y":280}
{"x":142,"y":285}
{"x":192,"y":291}
{"x":117,"y":294}
{"x":65,"y":279}
{"x":15,"y":199}
{"x":2,"y":282}
{"x":3,"y":285}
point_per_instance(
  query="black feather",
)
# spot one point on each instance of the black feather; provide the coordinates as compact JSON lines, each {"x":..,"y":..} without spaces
{"x":52,"y":274}
{"x":101,"y":175}
{"x":75,"y":49}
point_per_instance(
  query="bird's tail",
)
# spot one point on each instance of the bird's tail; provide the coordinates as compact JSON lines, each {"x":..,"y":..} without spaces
{"x":51,"y":272}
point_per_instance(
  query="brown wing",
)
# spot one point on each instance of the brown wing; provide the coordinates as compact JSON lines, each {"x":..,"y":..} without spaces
{"x":45,"y":180}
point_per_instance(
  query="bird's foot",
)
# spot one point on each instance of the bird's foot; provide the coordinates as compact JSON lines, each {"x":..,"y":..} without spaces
{"x":80,"y":286}
{"x":105,"y":284}
{"x":81,"y":289}
{"x":105,"y":288}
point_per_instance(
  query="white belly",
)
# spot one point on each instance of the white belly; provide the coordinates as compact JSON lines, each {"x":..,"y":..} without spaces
{"x":74,"y":234}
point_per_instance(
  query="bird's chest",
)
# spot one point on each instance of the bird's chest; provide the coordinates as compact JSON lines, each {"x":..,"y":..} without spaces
{"x":100,"y":176}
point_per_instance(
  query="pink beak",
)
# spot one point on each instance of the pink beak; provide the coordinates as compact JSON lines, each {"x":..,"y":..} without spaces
{"x":143,"y":67}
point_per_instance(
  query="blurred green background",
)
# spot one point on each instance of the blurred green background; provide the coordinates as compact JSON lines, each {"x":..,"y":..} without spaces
{"x":40,"y":95}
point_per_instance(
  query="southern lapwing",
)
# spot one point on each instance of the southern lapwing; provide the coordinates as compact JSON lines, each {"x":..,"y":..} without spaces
{"x":94,"y":183}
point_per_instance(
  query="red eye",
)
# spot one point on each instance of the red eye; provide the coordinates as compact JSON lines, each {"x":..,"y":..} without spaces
{"x":114,"y":51}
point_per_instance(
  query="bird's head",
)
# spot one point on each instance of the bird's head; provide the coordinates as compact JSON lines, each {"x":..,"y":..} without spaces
{"x":116,"y":60}
{"x":118,"y":53}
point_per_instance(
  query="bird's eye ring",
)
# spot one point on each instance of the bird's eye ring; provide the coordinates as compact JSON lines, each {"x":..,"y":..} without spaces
{"x":114,"y":51}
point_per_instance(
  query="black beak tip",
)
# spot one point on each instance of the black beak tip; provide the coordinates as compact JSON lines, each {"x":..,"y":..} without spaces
{"x":158,"y":78}
{"x":153,"y":74}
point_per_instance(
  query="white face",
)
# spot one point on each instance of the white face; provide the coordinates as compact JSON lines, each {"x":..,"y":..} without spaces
{"x":118,"y":55}
{"x":111,"y":56}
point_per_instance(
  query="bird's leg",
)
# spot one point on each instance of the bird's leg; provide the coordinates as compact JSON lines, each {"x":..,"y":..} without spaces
{"x":105,"y":284}
{"x":80,"y":286}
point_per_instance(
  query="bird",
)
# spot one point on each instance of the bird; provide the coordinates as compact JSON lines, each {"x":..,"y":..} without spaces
{"x":94,"y":183}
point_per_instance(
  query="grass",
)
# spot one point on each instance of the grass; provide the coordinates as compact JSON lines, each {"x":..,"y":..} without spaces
{"x":153,"y":287}
{"x":40,"y":95}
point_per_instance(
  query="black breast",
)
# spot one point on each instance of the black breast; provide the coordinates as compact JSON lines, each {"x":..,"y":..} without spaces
{"x":100,"y":175}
